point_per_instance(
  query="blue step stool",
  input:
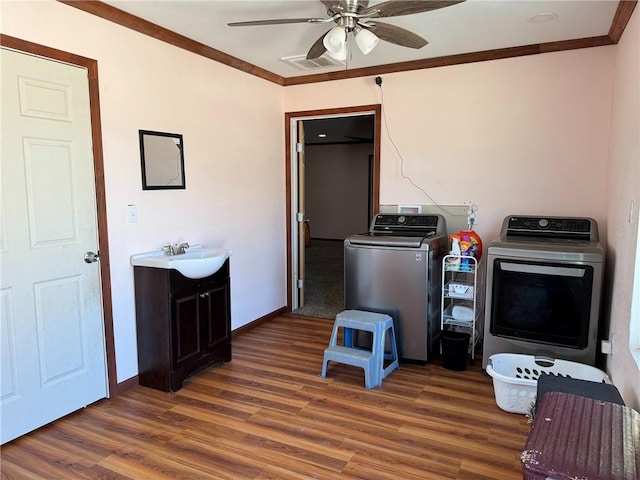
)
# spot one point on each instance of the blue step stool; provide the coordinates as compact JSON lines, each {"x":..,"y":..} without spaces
{"x":372,"y":361}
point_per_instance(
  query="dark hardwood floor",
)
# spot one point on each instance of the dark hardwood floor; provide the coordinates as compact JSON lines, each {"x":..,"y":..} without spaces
{"x":267,"y":415}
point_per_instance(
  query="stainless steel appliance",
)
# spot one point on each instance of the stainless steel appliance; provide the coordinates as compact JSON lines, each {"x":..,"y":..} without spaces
{"x":544,"y":284}
{"x":395,"y":269}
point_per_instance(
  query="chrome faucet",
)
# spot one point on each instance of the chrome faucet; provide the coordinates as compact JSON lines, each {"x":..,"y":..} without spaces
{"x":175,"y":249}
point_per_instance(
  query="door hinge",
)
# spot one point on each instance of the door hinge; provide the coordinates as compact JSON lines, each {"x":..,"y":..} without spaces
{"x":299,"y":147}
{"x":300,"y":283}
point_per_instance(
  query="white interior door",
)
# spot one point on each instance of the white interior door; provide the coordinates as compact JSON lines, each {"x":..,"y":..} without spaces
{"x":301,"y":214}
{"x":52,"y":334}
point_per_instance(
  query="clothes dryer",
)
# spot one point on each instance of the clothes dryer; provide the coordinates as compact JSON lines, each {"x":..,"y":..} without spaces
{"x":543,"y":290}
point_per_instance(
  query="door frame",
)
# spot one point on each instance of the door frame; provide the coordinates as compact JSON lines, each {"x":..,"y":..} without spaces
{"x":91,"y":65}
{"x":291,"y":177}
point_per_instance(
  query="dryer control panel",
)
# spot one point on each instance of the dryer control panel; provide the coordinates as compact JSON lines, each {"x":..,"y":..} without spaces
{"x":576,"y":228}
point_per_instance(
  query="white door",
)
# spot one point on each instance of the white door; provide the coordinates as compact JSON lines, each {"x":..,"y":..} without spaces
{"x":52,"y":336}
{"x":301,"y":214}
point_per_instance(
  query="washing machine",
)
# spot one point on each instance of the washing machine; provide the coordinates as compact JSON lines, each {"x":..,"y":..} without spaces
{"x":396,"y":268}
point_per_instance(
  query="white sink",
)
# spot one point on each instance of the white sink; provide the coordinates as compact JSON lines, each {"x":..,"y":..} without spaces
{"x":197,"y":262}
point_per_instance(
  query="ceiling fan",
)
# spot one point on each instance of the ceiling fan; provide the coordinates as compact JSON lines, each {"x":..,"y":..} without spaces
{"x":360,"y":19}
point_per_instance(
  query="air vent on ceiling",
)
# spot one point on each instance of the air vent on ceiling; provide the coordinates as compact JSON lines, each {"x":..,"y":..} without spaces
{"x":299,"y":61}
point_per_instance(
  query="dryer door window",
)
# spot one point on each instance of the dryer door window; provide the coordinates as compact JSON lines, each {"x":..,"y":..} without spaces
{"x":542,"y":302}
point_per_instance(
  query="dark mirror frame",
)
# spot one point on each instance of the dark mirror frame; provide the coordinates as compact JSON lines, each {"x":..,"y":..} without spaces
{"x":162,"y":160}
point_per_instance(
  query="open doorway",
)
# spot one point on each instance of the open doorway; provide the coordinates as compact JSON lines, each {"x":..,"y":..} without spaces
{"x":337,"y":187}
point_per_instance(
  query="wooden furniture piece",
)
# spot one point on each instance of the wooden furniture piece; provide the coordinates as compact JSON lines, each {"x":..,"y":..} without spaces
{"x":183,"y":324}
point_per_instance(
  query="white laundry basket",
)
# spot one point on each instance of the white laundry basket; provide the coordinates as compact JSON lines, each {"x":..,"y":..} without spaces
{"x":515,"y":377}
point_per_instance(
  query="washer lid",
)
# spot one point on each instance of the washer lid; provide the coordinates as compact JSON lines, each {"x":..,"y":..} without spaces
{"x":387,"y":240}
{"x":408,"y":230}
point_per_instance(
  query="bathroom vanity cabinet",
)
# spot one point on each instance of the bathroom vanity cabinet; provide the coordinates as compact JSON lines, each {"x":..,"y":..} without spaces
{"x":183,"y":324}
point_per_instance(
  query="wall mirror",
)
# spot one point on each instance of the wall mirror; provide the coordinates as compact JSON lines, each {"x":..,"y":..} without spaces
{"x":162,"y":157}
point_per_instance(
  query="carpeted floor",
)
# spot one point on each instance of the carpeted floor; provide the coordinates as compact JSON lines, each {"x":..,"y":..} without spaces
{"x":324,"y":282}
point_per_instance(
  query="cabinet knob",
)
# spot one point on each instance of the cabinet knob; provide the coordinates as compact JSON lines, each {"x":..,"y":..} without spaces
{"x":204,"y":295}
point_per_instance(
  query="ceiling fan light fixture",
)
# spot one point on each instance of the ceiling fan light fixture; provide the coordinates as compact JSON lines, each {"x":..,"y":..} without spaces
{"x":335,"y":40}
{"x":340,"y":55}
{"x":366,"y":40}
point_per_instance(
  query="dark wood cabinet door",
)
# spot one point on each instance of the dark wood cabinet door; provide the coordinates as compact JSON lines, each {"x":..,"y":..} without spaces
{"x":214,"y":315}
{"x":186,"y":339}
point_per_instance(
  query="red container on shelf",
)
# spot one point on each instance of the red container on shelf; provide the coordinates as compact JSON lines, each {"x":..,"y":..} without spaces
{"x":470,"y":243}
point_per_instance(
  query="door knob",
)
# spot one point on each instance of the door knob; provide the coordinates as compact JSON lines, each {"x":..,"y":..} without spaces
{"x":91,"y":257}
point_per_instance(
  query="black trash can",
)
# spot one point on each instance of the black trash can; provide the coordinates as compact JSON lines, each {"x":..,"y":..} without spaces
{"x":455,"y":346}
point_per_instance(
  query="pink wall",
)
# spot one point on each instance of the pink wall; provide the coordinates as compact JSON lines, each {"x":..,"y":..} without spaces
{"x":526,"y":135}
{"x":623,"y":187}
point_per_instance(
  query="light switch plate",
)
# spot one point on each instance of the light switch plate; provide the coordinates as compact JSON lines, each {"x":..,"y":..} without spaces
{"x":132,"y":214}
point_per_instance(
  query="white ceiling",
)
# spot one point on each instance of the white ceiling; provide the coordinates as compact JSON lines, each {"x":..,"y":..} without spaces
{"x":472,"y":26}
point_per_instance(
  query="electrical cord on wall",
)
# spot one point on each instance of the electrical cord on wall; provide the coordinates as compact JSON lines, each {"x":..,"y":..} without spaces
{"x":395,"y":147}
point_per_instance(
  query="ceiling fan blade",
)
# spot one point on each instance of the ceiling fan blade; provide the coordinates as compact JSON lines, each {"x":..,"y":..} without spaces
{"x":399,"y":36}
{"x":395,"y":8}
{"x":317,"y":49}
{"x":279,"y":21}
